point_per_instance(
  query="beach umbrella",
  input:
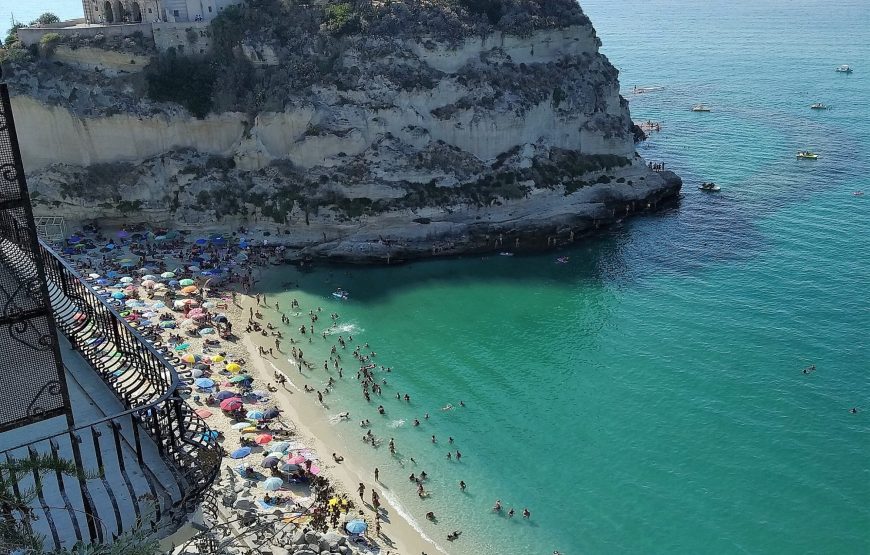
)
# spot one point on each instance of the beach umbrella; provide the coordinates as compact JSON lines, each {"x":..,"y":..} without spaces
{"x":130,"y":289}
{"x":158,"y":305}
{"x":196,"y":312}
{"x":280,"y":446}
{"x":263,"y":439}
{"x":182,"y":346}
{"x":206,"y":331}
{"x":167,"y":324}
{"x":193,"y":268}
{"x":255,"y":415}
{"x":209,"y":435}
{"x":217,"y":358}
{"x":287,"y":467}
{"x":296,"y":459}
{"x":187,"y":282}
{"x":356,"y":527}
{"x":93,"y":276}
{"x":270,"y":462}
{"x":126,"y":279}
{"x":173,"y":283}
{"x":221,"y":318}
{"x":233,"y":403}
{"x":223,"y":395}
{"x":159,"y":286}
{"x":272,"y":413}
{"x":118,"y":295}
{"x":167,"y":275}
{"x":203,"y":383}
{"x":314,"y":470}
{"x":241,"y":453}
{"x":240,"y":425}
{"x":250,"y":429}
{"x":128,"y":264}
{"x":189,"y":289}
{"x":123,"y":234}
{"x":196,"y":372}
{"x":201,"y":241}
{"x":233,"y":367}
{"x":150,"y":277}
{"x":190,"y":358}
{"x":102,"y":281}
{"x":272,"y":484}
{"x":112,"y":274}
{"x":73,"y":239}
{"x":148,"y":283}
{"x":218,"y":241}
{"x":241,"y":378}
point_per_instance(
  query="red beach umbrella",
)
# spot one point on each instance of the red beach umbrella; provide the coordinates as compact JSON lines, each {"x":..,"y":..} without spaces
{"x":263,"y":439}
{"x":233,"y":403}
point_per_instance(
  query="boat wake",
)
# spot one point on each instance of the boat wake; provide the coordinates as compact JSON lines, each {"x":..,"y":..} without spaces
{"x":344,"y":328}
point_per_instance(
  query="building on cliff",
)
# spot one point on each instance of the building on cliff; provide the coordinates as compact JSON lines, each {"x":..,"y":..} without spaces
{"x":152,"y":11}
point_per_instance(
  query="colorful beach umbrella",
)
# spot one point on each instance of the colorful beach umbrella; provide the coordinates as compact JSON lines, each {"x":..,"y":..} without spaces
{"x":263,"y":439}
{"x":203,"y":383}
{"x":272,"y":484}
{"x":241,"y":378}
{"x":186,"y":282}
{"x":233,"y":367}
{"x":217,"y":358}
{"x":241,"y":453}
{"x":255,"y":415}
{"x":189,"y":289}
{"x":233,"y":403}
{"x":240,"y":425}
{"x":167,"y":324}
{"x":296,"y":459}
{"x":223,"y":395}
{"x":118,"y":295}
{"x":126,"y":279}
{"x":272,"y":413}
{"x":167,"y":275}
{"x":206,"y":331}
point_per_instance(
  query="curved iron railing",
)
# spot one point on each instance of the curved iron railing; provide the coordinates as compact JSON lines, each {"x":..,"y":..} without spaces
{"x":144,"y":381}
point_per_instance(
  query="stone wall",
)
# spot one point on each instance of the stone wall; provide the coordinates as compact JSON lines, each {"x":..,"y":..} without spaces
{"x":31,"y":35}
{"x":190,"y":37}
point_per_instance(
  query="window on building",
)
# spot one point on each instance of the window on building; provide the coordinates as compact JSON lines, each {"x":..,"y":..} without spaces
{"x":175,"y":13}
{"x":209,"y":9}
{"x":149,"y":10}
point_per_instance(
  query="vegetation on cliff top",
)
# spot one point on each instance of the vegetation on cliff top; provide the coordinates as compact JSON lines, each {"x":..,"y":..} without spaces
{"x":309,"y":40}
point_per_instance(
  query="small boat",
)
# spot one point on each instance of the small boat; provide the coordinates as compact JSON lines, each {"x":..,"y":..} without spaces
{"x":807,"y":155}
{"x":858,"y":193}
{"x":818,"y":106}
{"x":562,"y":260}
{"x":340,"y":294}
{"x":709,"y":187}
{"x":505,"y":254}
{"x":700,"y":108}
{"x":844,"y":69}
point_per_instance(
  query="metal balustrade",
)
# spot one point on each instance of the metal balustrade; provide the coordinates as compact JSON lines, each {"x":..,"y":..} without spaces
{"x":155,"y":423}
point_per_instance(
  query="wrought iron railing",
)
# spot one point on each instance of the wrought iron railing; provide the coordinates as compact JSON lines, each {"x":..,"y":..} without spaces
{"x":149,"y":388}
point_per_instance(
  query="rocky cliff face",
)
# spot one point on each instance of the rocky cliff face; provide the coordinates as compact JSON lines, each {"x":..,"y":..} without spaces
{"x":364,"y":136}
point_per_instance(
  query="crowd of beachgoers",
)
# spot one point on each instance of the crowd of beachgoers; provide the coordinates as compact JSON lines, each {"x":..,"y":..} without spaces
{"x":195,"y":299}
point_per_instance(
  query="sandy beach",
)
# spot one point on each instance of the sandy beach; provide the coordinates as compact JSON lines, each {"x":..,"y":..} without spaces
{"x":158,"y":291}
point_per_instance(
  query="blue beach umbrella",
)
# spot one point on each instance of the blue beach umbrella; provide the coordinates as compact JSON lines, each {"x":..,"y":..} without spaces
{"x":118,"y":295}
{"x":204,"y":383}
{"x":221,"y":395}
{"x":272,"y":484}
{"x":356,"y":527}
{"x":255,"y":414}
{"x":241,"y":453}
{"x":102,"y":281}
{"x":167,"y":324}
{"x":272,"y":413}
{"x":201,"y":241}
{"x":112,"y":274}
{"x":209,"y":435}
{"x":270,"y":462}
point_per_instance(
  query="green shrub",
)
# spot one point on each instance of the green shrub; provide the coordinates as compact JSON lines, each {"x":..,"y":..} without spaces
{"x":187,"y":81}
{"x":47,"y":18}
{"x":12,"y":35}
{"x":48,"y":44}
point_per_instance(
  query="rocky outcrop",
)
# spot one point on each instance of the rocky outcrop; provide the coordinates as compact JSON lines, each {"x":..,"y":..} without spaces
{"x":386,"y":147}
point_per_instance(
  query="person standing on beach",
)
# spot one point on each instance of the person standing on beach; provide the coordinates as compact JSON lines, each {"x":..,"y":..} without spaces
{"x":361,"y":489}
{"x":377,"y":472}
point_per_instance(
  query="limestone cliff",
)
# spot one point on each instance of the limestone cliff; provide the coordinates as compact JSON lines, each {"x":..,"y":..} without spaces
{"x":368,"y":130}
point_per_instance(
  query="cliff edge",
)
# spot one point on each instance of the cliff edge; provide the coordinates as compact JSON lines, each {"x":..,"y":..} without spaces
{"x":361,"y":131}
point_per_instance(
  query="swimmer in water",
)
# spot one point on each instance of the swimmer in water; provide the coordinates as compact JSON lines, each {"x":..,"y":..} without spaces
{"x":497,"y":507}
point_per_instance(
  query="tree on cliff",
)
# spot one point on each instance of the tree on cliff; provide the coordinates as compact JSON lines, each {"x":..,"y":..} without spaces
{"x":47,"y":18}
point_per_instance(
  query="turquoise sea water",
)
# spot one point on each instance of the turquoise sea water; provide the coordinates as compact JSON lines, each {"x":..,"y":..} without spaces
{"x":648,"y":397}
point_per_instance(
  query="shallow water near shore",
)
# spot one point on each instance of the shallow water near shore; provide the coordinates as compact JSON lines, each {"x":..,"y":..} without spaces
{"x":648,"y":395}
